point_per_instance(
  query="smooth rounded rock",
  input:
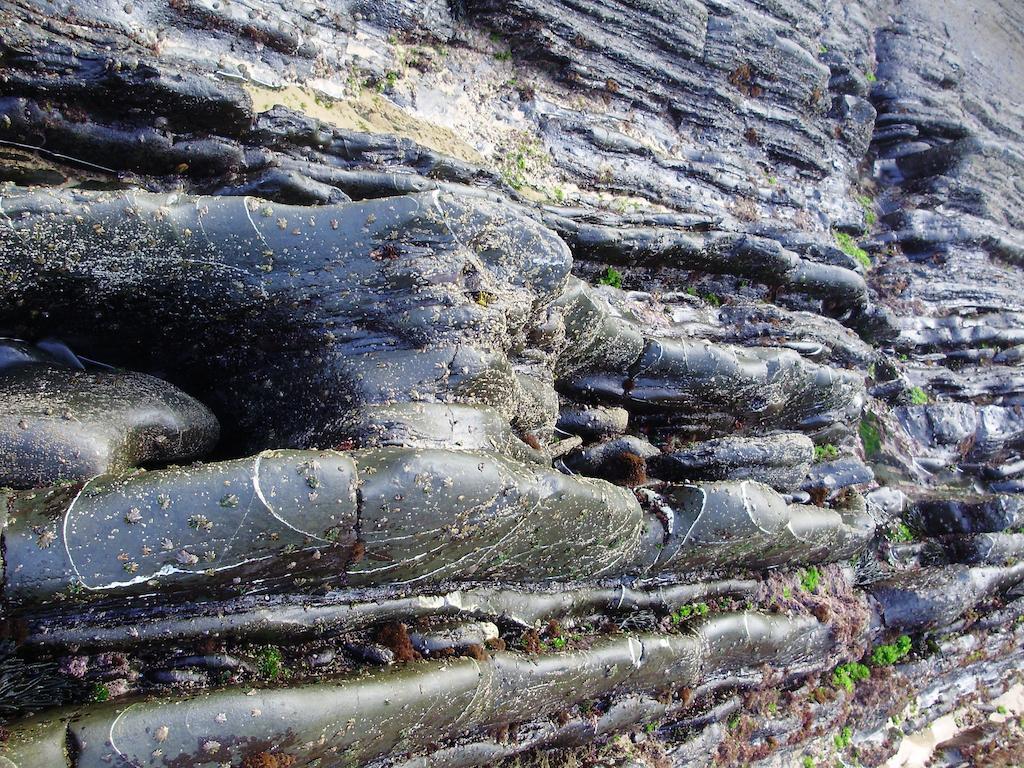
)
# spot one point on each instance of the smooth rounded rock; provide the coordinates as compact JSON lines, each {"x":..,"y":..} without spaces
{"x":58,"y":424}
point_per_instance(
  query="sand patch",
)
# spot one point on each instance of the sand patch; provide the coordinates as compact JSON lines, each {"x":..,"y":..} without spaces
{"x":368,"y":112}
{"x":917,"y":748}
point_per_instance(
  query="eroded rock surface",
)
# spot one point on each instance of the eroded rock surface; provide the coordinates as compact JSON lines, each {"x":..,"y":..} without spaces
{"x":438,"y":384}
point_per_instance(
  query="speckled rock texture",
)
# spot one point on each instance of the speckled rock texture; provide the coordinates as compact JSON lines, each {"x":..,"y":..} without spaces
{"x":60,"y":422}
{"x":448,"y":384}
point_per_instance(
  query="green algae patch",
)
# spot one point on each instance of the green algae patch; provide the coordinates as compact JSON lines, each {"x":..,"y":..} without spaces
{"x":826,"y":452}
{"x":888,"y":654}
{"x":849,"y":246}
{"x":611,"y":277}
{"x":846,"y":676}
{"x":870,"y":437}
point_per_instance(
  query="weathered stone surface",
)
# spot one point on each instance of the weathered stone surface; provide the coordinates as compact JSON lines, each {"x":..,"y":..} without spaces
{"x":230,"y":725}
{"x":455,"y":636}
{"x":442,"y":271}
{"x":373,"y":283}
{"x":781,"y":461}
{"x":593,"y":423}
{"x":389,"y":517}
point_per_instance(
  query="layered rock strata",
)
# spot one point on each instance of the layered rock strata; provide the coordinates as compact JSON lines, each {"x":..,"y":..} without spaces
{"x":427,"y":384}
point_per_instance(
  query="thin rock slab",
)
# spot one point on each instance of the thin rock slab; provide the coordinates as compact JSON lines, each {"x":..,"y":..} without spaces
{"x":401,"y":710}
{"x":431,"y":516}
{"x":393,"y":517}
{"x":294,"y":617}
{"x":285,"y":518}
{"x":932,"y":598}
{"x":781,"y":461}
{"x":447,"y":426}
{"x":196,"y":527}
{"x":709,"y":386}
{"x":714,"y":526}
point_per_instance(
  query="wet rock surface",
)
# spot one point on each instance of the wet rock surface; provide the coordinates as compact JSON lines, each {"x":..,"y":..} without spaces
{"x":443,"y":384}
{"x":62,"y":423}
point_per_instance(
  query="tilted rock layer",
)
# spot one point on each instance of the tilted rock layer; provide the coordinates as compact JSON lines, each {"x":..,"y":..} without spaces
{"x":441,"y":384}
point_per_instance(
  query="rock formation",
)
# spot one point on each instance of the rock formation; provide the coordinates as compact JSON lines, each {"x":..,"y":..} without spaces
{"x":441,"y":384}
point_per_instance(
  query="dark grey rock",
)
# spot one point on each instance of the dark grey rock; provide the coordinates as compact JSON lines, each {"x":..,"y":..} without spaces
{"x":593,"y":423}
{"x":647,"y":206}
{"x":58,"y":424}
{"x":781,"y":461}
